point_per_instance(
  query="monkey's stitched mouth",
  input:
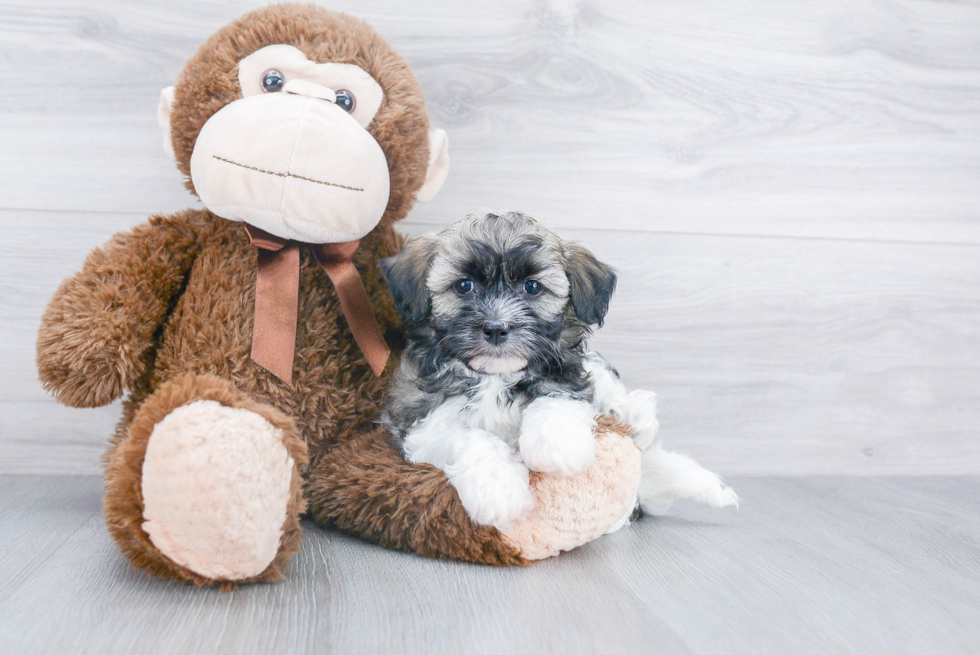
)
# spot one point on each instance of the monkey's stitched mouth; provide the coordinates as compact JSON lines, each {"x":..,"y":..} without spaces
{"x":286,"y":174}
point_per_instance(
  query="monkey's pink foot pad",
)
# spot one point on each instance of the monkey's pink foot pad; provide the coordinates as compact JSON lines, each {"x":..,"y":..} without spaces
{"x":216,"y":483}
{"x":571,"y":511}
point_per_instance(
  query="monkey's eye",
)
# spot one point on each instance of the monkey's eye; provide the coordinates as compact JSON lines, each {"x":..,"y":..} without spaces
{"x":463,"y":287}
{"x":272,"y":80}
{"x":532,"y":287}
{"x":346,"y":100}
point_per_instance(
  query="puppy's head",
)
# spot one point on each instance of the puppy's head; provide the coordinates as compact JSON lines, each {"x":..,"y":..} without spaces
{"x":500,"y":293}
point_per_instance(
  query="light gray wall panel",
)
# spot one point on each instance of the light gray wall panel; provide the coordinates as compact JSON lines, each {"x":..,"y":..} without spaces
{"x":844,"y":119}
{"x":772,"y":356}
{"x":789,"y":191}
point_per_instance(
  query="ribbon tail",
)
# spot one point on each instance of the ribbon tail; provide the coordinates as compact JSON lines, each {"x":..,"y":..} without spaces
{"x":276,"y":310}
{"x":357,"y":308}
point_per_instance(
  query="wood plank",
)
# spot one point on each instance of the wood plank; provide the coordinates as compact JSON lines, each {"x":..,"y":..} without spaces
{"x":809,"y":565}
{"x":812,"y":565}
{"x":38,"y":514}
{"x":800,"y":357}
{"x":772,"y":356}
{"x":565,"y":605}
{"x":823,"y":119}
{"x":341,"y":595}
{"x":44,"y":437}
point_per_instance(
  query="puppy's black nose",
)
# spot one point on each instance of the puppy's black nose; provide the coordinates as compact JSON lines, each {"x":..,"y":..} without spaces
{"x":495,"y":332}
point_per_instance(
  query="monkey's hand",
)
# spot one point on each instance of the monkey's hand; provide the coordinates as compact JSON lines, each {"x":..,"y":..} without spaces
{"x":558,"y":436}
{"x":98,"y":329}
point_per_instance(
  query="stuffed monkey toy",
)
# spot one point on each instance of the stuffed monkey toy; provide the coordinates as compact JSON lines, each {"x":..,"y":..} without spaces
{"x":252,"y":337}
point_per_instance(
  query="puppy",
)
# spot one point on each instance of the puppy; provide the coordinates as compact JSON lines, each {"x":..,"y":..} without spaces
{"x":496,"y":379}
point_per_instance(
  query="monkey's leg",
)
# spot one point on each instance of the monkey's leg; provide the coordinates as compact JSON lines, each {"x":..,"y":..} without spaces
{"x":366,"y":488}
{"x":206,"y":485}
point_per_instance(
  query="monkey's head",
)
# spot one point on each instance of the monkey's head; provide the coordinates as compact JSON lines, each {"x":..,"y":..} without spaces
{"x":304,"y":123}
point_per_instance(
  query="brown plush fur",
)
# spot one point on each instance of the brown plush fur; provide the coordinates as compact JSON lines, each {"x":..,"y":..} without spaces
{"x":355,"y":489}
{"x":209,"y":81}
{"x":123,"y":502}
{"x":166,"y":312}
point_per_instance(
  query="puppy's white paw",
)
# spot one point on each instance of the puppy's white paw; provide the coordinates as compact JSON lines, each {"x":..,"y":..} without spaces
{"x":638,"y":409}
{"x":492,"y":483}
{"x":641,"y":415}
{"x":666,"y":477}
{"x":558,"y":436}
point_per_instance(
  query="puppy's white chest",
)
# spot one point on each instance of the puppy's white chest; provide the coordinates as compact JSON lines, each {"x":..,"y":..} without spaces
{"x":492,"y":409}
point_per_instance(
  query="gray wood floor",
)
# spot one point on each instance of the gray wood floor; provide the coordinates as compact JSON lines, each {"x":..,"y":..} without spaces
{"x":809,"y":565}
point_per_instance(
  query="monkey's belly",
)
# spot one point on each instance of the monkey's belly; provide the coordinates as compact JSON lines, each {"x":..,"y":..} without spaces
{"x":333,"y":393}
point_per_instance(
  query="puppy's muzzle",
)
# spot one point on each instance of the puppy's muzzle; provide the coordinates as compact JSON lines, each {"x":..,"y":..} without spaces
{"x":495,"y":332}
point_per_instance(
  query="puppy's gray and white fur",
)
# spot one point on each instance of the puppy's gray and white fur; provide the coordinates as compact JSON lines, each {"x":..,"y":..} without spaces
{"x":496,"y":380}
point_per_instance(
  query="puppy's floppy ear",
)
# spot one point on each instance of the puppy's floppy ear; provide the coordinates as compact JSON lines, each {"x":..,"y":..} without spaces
{"x":405,"y":274}
{"x":591,"y":284}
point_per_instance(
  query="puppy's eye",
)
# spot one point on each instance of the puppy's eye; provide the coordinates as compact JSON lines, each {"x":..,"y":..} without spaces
{"x":346,"y":100}
{"x":272,"y":80}
{"x":463,"y":287}
{"x":532,"y":287}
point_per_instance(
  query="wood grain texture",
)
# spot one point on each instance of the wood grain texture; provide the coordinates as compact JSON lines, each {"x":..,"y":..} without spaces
{"x":772,"y":356}
{"x":37,"y":516}
{"x":790,"y":195}
{"x":808,"y":565}
{"x":843,"y":119}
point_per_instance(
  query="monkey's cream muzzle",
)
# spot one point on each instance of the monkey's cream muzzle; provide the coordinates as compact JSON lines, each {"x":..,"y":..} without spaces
{"x":296,"y":168}
{"x":300,"y":170}
{"x":294,"y":164}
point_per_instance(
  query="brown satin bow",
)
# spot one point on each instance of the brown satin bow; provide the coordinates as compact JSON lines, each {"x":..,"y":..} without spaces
{"x":277,"y":301}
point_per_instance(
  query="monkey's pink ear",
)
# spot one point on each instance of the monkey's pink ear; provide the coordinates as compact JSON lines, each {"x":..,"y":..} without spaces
{"x":435,"y":177}
{"x":163,"y":117}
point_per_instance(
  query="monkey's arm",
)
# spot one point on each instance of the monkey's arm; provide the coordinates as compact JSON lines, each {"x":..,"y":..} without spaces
{"x":366,"y":488}
{"x":98,"y":330}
